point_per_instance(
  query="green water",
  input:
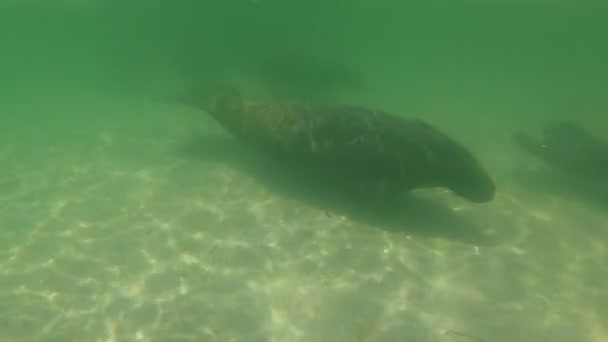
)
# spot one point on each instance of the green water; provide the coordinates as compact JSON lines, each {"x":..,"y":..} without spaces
{"x":116,"y":226}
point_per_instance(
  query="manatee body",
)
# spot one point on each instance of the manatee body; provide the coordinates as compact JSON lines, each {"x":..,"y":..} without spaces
{"x":364,"y":144}
{"x":568,"y":148}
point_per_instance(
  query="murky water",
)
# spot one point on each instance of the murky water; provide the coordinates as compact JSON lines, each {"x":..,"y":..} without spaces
{"x":127,"y":217}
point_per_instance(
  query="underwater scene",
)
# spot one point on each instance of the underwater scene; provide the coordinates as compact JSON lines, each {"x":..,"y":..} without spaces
{"x":294,"y":171}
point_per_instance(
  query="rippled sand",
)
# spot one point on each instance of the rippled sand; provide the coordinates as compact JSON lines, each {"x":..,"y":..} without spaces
{"x":141,"y":230}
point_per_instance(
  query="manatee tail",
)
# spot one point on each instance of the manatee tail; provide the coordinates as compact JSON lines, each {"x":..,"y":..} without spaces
{"x":528,"y":143}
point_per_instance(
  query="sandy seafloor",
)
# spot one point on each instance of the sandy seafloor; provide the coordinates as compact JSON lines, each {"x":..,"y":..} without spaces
{"x":123,"y":223}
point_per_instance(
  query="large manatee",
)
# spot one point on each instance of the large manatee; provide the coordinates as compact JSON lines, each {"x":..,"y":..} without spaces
{"x":365,"y":145}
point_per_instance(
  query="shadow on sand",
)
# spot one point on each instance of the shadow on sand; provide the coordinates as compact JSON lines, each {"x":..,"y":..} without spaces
{"x":590,"y":192}
{"x":335,"y":194}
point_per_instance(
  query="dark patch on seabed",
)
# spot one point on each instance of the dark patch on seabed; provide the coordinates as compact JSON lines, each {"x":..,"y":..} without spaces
{"x":588,"y":191}
{"x":410,"y":213}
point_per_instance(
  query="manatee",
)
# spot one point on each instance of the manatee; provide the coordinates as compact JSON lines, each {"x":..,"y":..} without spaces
{"x":365,"y":144}
{"x":568,"y":148}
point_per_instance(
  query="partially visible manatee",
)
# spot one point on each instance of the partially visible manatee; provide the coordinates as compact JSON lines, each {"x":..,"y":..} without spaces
{"x":569,"y":148}
{"x":361,"y":143}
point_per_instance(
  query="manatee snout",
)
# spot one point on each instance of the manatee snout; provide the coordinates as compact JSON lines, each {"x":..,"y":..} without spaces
{"x":479,"y":189}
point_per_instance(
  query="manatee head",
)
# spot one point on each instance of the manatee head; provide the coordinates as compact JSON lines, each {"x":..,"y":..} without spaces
{"x":457,"y":169}
{"x":472,"y":182}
